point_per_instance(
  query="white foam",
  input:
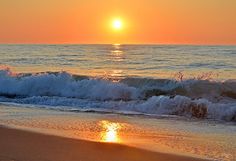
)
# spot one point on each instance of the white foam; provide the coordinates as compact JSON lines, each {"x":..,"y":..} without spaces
{"x":159,"y":105}
{"x":63,"y":85}
{"x":190,"y":98}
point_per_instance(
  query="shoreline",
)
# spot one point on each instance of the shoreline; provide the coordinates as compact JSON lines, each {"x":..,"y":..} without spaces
{"x":21,"y":145}
{"x":169,"y":136}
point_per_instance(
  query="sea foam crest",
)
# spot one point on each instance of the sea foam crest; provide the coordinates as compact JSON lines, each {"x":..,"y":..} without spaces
{"x":64,"y":85}
{"x":191,"y":98}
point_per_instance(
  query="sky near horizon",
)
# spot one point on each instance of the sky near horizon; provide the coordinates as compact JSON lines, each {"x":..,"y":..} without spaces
{"x":144,"y":21}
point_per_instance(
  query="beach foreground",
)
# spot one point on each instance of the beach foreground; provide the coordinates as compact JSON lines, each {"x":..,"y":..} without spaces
{"x":109,"y":136}
{"x":19,"y":145}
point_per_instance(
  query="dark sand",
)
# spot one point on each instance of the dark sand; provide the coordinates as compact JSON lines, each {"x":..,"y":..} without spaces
{"x":19,"y":145}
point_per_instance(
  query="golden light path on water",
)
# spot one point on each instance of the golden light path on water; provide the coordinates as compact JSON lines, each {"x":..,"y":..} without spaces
{"x":109,"y":131}
{"x":115,"y":72}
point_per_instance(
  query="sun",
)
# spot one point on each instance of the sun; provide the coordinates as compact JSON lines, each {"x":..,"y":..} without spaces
{"x":117,"y":24}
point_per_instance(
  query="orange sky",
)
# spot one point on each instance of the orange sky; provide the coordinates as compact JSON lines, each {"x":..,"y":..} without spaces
{"x":145,"y":21}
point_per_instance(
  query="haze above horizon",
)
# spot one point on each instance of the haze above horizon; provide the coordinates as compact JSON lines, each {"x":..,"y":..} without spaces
{"x":210,"y":22}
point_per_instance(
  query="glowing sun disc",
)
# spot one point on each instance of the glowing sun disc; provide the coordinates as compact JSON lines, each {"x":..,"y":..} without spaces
{"x":117,"y":24}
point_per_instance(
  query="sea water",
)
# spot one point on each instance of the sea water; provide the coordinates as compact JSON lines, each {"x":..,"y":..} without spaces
{"x":182,"y":80}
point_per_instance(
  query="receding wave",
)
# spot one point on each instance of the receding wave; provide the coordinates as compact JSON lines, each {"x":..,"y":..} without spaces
{"x":203,"y":99}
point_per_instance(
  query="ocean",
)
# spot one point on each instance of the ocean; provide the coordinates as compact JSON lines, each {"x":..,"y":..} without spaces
{"x":187,"y":81}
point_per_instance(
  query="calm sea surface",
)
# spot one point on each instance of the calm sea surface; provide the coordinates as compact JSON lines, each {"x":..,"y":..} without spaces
{"x":120,"y":61}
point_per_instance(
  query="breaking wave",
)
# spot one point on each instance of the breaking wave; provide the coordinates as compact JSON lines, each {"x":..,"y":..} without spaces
{"x":203,"y":99}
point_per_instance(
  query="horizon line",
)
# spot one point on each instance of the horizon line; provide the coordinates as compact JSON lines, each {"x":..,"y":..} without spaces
{"x":174,"y":44}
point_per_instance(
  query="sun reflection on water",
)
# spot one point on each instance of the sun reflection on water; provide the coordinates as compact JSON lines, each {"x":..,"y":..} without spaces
{"x":109,"y":131}
{"x":117,"y":54}
{"x":115,"y":71}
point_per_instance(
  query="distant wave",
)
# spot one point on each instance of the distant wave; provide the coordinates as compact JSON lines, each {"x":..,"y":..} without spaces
{"x":61,"y":90}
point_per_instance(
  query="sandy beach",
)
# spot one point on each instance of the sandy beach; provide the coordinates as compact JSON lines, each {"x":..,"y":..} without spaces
{"x":42,"y":134}
{"x":18,"y":145}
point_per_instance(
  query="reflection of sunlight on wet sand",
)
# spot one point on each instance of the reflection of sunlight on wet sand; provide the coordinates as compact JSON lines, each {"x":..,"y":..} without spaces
{"x":109,"y":131}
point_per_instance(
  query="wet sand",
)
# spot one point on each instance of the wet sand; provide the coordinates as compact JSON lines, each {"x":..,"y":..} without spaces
{"x":19,"y":145}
